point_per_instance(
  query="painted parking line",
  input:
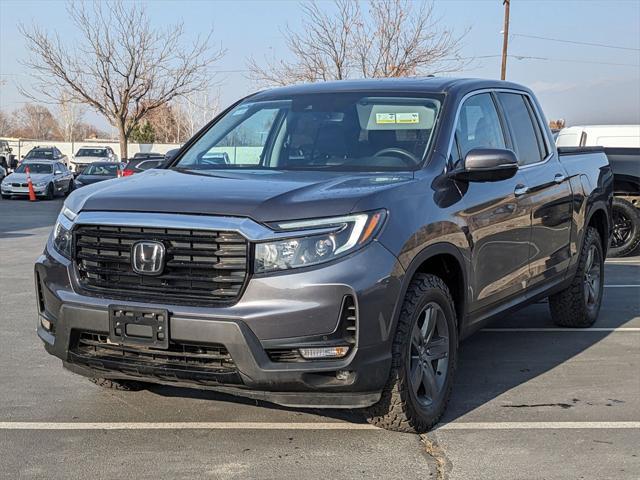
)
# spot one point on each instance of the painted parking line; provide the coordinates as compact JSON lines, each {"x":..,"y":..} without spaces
{"x":183,"y":426}
{"x":537,"y":425}
{"x":623,"y":262}
{"x":304,"y":426}
{"x":563,"y":329}
{"x":621,"y":286}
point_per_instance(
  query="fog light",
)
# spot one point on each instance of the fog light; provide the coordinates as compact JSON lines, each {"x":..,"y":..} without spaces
{"x":46,"y":324}
{"x":323,"y":352}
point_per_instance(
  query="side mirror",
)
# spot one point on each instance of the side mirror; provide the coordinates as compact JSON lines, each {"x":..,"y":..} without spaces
{"x":487,"y":165}
{"x":170,"y":155}
{"x":58,"y":172}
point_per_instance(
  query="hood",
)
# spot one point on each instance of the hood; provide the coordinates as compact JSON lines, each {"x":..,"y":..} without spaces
{"x":22,"y":177}
{"x":264,"y":195}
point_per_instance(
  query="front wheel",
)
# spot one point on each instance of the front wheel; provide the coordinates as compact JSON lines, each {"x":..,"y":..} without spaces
{"x":69,"y":188}
{"x":50,"y":192}
{"x":424,"y":355}
{"x":579,"y":304}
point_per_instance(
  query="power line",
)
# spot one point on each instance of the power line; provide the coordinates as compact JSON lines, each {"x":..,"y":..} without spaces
{"x":568,"y":60}
{"x":575,"y":42}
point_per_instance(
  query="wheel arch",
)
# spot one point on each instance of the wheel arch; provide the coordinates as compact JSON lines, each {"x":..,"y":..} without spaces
{"x":446,"y":261}
{"x":599,"y":219}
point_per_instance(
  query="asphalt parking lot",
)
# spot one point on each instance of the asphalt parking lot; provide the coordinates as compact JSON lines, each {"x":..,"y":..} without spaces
{"x":531,"y":401}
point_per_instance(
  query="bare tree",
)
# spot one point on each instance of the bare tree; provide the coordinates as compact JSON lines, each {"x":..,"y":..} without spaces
{"x":122,"y":67}
{"x":7,"y":125}
{"x":70,"y":118}
{"x":37,"y":122}
{"x":395,"y":38}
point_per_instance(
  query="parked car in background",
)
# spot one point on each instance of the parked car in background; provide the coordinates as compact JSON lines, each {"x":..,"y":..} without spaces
{"x":49,"y":179}
{"x":145,"y":155}
{"x":618,"y":136}
{"x":3,"y":172}
{"x":47,"y":153}
{"x":98,"y":172}
{"x":7,"y":160}
{"x":342,"y":255}
{"x":89,"y":154}
{"x":622,"y":145}
{"x":137,"y":165}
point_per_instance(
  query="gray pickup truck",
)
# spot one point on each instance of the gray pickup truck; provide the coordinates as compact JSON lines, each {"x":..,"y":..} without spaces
{"x":329,"y":245}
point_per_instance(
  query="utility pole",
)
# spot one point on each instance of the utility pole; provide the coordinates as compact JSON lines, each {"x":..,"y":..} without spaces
{"x":505,"y":39}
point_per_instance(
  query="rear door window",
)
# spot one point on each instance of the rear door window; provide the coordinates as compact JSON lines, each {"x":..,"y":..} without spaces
{"x":479,"y":125}
{"x":525,"y":130}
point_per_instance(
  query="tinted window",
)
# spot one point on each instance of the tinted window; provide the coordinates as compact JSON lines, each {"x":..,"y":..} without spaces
{"x":110,"y":170}
{"x":40,"y":153}
{"x":479,"y":125}
{"x":92,"y":152}
{"x":525,"y":137}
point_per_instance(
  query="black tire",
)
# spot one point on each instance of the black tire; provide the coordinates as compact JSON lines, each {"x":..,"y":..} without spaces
{"x":69,"y":188}
{"x":122,"y":385}
{"x":625,"y":238}
{"x":50,"y":192}
{"x":403,"y":408}
{"x":6,"y":197}
{"x":578,"y":305}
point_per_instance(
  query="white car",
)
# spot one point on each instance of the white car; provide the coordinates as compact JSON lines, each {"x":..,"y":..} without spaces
{"x":89,"y":154}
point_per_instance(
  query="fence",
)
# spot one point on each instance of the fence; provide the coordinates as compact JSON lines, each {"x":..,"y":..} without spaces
{"x":21,"y":146}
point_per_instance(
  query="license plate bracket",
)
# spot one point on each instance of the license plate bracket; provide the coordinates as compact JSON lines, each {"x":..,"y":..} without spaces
{"x":146,"y":327}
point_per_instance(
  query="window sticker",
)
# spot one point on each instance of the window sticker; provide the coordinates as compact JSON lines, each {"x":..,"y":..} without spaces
{"x":409,"y":117}
{"x":382,"y":118}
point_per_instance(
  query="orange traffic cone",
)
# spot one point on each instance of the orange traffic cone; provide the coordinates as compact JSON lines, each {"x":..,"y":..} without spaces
{"x":32,"y":194}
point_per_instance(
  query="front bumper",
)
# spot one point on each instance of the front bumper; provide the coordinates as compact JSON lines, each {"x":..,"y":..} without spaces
{"x":20,"y":191}
{"x":275,"y":312}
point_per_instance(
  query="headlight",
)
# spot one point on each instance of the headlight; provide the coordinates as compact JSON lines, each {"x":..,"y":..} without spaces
{"x":62,"y":237}
{"x":40,"y":185}
{"x":342,"y":236}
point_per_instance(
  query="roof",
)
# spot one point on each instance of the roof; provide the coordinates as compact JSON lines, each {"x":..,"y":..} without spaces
{"x":409,"y":84}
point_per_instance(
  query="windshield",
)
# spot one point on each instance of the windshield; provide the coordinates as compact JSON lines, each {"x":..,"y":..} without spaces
{"x":92,"y":152}
{"x":39,"y":153}
{"x":342,"y":131}
{"x":106,"y":170}
{"x":35,"y":168}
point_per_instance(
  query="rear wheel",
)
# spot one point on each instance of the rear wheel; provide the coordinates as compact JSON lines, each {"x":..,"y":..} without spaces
{"x":625,"y":237}
{"x":579,"y":304}
{"x":123,"y":385}
{"x":424,"y":356}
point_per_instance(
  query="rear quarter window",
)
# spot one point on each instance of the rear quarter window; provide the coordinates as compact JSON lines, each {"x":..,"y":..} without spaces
{"x":525,"y":130}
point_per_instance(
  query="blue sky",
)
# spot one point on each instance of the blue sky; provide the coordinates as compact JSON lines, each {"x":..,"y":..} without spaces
{"x":583,"y":84}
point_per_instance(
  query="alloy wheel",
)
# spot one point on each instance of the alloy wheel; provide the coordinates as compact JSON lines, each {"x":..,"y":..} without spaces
{"x":429,"y":354}
{"x":592,"y":277}
{"x":622,"y":227}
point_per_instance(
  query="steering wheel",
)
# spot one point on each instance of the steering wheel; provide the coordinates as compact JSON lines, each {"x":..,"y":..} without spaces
{"x":404,"y":155}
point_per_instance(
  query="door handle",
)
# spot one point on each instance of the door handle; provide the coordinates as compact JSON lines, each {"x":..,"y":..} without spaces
{"x":521,"y":190}
{"x":559,"y":178}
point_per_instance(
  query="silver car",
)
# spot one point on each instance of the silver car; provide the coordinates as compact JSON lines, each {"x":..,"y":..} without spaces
{"x":49,"y":179}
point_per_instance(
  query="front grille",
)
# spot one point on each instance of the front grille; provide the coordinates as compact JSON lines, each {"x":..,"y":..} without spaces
{"x":206,"y":363}
{"x":19,"y":185}
{"x":200,"y":265}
